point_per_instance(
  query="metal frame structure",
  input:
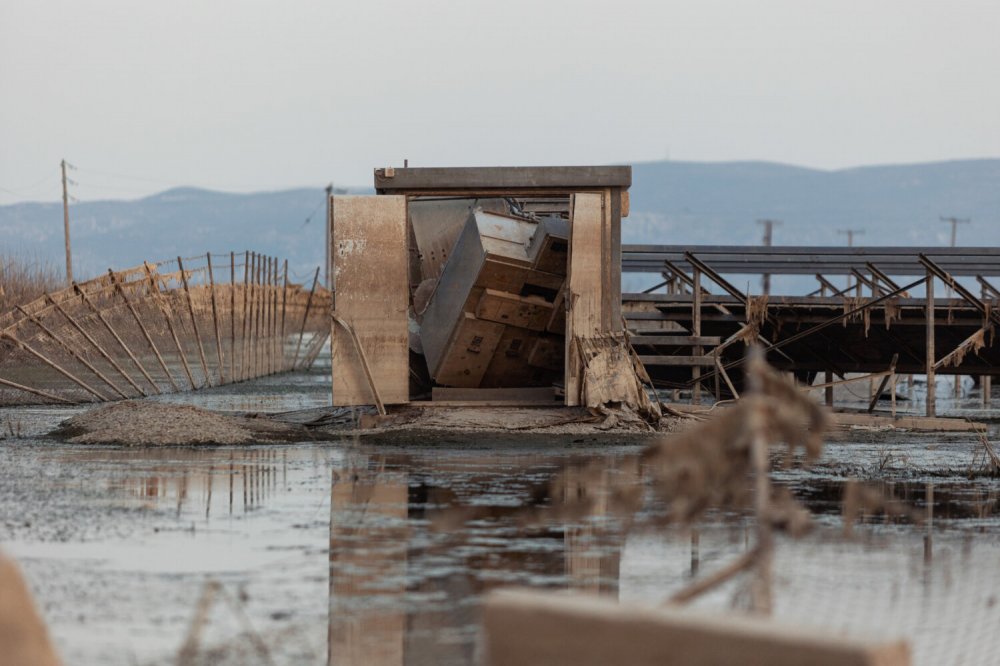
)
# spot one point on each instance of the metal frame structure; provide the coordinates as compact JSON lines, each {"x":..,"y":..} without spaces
{"x":799,"y":330}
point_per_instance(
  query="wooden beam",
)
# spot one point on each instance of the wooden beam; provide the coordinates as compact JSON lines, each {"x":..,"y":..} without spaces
{"x":929,"y":364}
{"x":676,"y":340}
{"x":544,"y":394}
{"x":882,"y":384}
{"x":444,"y":179}
{"x":533,"y":628}
{"x":682,"y":361}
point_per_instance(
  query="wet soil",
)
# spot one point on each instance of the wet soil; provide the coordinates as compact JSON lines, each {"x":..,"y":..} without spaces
{"x":144,"y":423}
{"x":335,"y":552}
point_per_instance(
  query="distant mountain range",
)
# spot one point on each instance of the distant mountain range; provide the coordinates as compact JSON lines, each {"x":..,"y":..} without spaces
{"x":671,"y":203}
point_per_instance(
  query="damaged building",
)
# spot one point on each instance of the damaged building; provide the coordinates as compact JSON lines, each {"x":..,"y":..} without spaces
{"x":501,"y":284}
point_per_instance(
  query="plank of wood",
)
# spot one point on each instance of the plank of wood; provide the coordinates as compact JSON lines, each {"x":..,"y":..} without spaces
{"x":928,"y":423}
{"x":533,"y":628}
{"x":697,"y":361}
{"x":585,"y":290}
{"x":370,"y":273}
{"x":517,"y":178}
{"x":441,"y":404}
{"x":530,"y":394}
{"x":677,"y":340}
{"x":531,"y":312}
{"x":470,"y":352}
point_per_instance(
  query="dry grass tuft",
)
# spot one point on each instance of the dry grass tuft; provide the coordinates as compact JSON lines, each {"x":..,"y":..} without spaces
{"x":23,"y":280}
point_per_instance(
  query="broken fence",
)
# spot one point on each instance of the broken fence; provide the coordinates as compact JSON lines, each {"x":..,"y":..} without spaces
{"x":162,"y":327}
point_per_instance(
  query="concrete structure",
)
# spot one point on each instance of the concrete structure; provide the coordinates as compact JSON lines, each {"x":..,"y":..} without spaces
{"x":492,"y":278}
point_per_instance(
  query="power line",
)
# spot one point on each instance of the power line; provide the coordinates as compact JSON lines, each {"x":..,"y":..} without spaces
{"x":20,"y":191}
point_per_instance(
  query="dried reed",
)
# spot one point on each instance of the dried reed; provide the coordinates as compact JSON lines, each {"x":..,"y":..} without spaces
{"x":23,"y":279}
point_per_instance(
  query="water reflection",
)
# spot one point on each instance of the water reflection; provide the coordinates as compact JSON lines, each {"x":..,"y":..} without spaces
{"x":410,"y":540}
{"x":209,"y":481}
{"x":403,"y":592}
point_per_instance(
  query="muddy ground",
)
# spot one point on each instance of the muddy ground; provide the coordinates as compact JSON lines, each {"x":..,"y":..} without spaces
{"x":332,"y":552}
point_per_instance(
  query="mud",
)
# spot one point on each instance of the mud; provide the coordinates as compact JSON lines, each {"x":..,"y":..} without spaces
{"x":334,"y":552}
{"x":143,"y":423}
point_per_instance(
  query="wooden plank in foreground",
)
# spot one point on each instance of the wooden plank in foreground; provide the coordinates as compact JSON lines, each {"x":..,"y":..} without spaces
{"x":531,"y":628}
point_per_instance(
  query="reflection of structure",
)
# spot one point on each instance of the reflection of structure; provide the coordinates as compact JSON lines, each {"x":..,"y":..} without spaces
{"x":206,"y":479}
{"x":367,"y":567}
{"x":400,"y":595}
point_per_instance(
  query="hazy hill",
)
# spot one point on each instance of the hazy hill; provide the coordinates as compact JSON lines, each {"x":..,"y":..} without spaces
{"x":680,"y":202}
{"x":672,"y":202}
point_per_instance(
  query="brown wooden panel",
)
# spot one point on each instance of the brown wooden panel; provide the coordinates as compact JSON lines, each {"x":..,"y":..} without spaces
{"x":532,"y":628}
{"x":585,"y":290}
{"x":548,"y":352}
{"x":529,"y":312}
{"x":370,"y":266}
{"x":540,"y":394}
{"x":707,"y":361}
{"x":509,"y":366}
{"x":502,"y":275}
{"x":469,"y":354}
{"x":475,"y":178}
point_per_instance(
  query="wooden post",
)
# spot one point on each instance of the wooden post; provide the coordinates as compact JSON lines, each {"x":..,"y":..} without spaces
{"x":156,"y":296}
{"x":696,"y":331}
{"x":118,"y":339}
{"x":305,"y":318}
{"x":72,"y":352}
{"x":246,"y":318}
{"x":248,"y":339}
{"x":55,"y":366}
{"x":194,"y":322}
{"x":315,"y":347}
{"x":272,"y":320}
{"x":828,"y":391}
{"x":95,"y":344}
{"x":232,"y":317}
{"x":284,"y":304}
{"x":265,"y":317}
{"x":985,"y":381}
{"x":929,"y":316}
{"x":892,"y":387}
{"x":142,"y":327}
{"x":41,"y":394}
{"x":215,"y":320}
{"x":258,"y":316}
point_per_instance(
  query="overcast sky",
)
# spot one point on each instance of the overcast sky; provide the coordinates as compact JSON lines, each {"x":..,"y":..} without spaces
{"x":255,"y":95}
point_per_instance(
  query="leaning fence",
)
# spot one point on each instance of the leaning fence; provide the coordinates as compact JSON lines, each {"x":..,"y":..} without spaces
{"x":176,"y":325}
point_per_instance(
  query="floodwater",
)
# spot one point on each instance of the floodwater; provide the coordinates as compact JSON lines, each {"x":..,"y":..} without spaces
{"x":343,"y":553}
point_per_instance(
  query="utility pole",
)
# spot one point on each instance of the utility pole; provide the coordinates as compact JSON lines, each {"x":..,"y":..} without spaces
{"x":768,"y":237}
{"x":329,"y":233}
{"x":69,"y":253}
{"x":851,"y":233}
{"x":954,"y":222}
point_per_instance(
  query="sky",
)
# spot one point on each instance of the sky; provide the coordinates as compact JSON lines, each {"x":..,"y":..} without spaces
{"x":262,"y":95}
